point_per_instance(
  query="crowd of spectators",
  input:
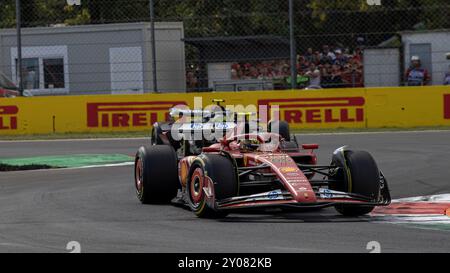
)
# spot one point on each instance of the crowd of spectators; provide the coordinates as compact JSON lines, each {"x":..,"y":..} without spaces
{"x":326,"y":68}
{"x":329,"y":67}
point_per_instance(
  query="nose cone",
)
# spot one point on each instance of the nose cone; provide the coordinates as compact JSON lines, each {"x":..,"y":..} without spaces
{"x":292,"y":178}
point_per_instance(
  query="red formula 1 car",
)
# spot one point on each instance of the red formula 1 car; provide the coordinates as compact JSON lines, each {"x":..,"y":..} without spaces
{"x":9,"y":90}
{"x":256,"y":171}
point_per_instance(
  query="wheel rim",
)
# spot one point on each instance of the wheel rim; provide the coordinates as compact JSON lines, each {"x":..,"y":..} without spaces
{"x":138,"y":176}
{"x":196,"y":187}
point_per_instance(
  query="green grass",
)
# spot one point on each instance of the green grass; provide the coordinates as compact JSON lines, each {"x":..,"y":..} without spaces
{"x":12,"y":168}
{"x":440,"y":226}
{"x":61,"y":161}
{"x":146,"y":133}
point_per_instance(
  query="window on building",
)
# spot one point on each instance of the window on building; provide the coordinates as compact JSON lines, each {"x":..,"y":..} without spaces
{"x":53,"y":73}
{"x":30,"y":73}
{"x":44,"y":73}
{"x":45,"y":69}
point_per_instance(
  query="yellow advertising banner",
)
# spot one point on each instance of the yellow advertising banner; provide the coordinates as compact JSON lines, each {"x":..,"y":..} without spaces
{"x":312,"y":109}
{"x":408,"y":107}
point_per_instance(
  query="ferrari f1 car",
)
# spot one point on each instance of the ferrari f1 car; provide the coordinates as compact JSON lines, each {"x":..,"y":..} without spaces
{"x":256,"y":171}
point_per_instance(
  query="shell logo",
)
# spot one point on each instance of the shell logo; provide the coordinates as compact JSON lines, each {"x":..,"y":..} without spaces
{"x":288,"y":169}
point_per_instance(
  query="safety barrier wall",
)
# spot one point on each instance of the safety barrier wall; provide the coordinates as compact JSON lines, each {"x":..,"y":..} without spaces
{"x":314,"y":109}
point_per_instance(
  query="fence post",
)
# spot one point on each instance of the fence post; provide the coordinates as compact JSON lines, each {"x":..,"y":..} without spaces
{"x":153,"y":41}
{"x":293,"y":46}
{"x":19,"y":73}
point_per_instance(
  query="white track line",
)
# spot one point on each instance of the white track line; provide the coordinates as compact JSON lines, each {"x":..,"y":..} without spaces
{"x":76,"y":168}
{"x":437,"y":198}
{"x":374,"y":133}
{"x":100,"y":166}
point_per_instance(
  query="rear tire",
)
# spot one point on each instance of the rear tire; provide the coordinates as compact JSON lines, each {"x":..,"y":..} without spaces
{"x":364,"y":180}
{"x":221,"y":171}
{"x":156,"y":174}
{"x":283,"y":128}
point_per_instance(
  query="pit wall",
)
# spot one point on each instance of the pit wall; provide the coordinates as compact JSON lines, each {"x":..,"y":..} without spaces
{"x":403,"y":107}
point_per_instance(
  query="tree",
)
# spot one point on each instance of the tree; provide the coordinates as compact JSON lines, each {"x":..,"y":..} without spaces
{"x":315,"y":19}
{"x":115,"y":11}
{"x":7,"y":14}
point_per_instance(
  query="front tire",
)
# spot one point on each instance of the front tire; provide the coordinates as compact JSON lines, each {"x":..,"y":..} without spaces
{"x":362,"y":177}
{"x":156,"y":174}
{"x":221,"y":171}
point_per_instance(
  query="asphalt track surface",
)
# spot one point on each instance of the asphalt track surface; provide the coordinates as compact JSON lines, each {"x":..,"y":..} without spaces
{"x":41,"y":211}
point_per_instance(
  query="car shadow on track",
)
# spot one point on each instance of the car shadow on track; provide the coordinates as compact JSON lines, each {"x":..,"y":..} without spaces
{"x":324,"y":215}
{"x":321,"y":216}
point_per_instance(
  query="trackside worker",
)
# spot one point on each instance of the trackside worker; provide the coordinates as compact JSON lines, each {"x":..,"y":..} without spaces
{"x":416,"y":75}
{"x":447,"y":77}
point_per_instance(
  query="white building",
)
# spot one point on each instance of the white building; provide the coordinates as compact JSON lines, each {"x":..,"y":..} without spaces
{"x":96,"y":59}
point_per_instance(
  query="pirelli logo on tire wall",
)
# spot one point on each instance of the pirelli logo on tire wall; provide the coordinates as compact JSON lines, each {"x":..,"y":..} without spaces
{"x":8,"y":117}
{"x":128,"y":114}
{"x":336,"y":110}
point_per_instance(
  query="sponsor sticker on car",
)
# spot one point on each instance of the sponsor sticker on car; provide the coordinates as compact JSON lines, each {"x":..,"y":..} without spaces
{"x":326,"y":193}
{"x":273,"y":195}
{"x":288,"y":169}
